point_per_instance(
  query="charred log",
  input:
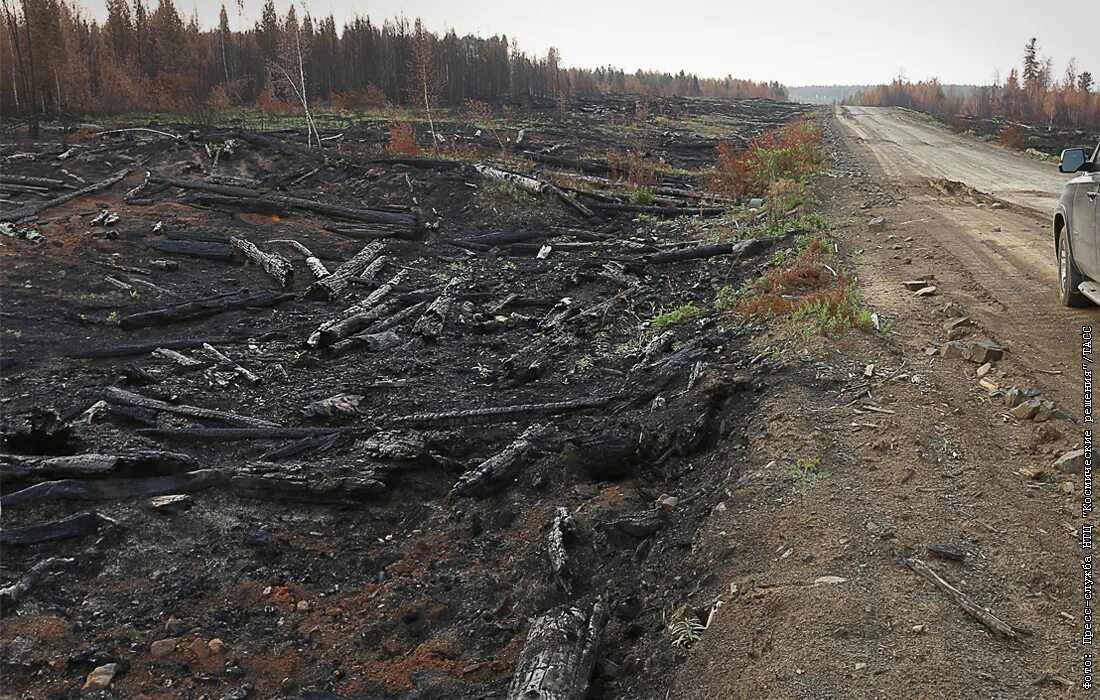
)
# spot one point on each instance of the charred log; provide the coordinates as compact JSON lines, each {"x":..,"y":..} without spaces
{"x":279,"y":268}
{"x":128,"y":398}
{"x":280,"y":483}
{"x":499,"y":470}
{"x":234,"y":434}
{"x":497,"y":414}
{"x":430,"y":325}
{"x":77,"y":525}
{"x":36,"y":209}
{"x":332,"y":286}
{"x":562,"y":533}
{"x":143,"y":348}
{"x":560,"y":654}
{"x":641,"y":525}
{"x":19,"y":468}
{"x":201,"y":308}
{"x":110,"y":489}
{"x":195,"y":249}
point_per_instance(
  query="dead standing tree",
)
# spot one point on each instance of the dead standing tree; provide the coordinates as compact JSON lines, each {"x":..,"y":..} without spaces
{"x":292,"y":60}
{"x":423,"y":86}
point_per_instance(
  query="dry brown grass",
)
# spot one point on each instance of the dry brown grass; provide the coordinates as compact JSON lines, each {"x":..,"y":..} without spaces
{"x":806,"y":292}
{"x":1013,"y":137}
{"x":402,"y":141}
{"x":792,"y":152}
{"x":633,"y":167}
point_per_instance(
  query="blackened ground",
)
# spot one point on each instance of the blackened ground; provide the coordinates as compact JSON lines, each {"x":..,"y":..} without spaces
{"x":410,"y":590}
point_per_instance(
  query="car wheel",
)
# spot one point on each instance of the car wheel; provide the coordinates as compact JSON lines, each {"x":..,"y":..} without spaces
{"x":1068,"y":277}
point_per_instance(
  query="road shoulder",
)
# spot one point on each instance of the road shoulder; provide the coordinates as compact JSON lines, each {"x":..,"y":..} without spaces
{"x":920,"y":461}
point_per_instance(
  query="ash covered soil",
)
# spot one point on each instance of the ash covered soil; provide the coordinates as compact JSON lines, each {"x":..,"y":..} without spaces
{"x":231,"y":473}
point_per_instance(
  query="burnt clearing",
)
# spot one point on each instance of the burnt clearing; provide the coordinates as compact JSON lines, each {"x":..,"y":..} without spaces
{"x":283,"y":424}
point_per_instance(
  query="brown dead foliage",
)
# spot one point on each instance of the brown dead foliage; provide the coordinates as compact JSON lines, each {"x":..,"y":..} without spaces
{"x":403,"y":141}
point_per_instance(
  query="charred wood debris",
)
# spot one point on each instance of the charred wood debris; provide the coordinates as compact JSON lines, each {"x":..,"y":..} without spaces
{"x":289,"y":342}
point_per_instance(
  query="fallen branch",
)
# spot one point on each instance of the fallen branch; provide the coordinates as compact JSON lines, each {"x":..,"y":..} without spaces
{"x":587,"y":166}
{"x":36,"y":209}
{"x":571,"y":202}
{"x":982,"y":615}
{"x":185,"y":363}
{"x":312,"y":261}
{"x":562,"y":531}
{"x":158,"y":132}
{"x":661,"y":211}
{"x":11,"y":596}
{"x":373,"y":232}
{"x":201,"y":308}
{"x":741,"y":249}
{"x":132,"y":349}
{"x":220,"y":357}
{"x":288,"y":149}
{"x":128,"y":398}
{"x":496,"y":414}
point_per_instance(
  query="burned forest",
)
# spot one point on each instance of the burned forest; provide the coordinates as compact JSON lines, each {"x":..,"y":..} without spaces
{"x":339,"y":422}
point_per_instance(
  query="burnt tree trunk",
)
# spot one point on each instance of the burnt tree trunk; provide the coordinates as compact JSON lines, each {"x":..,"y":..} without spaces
{"x":128,"y":398}
{"x":36,"y":209}
{"x":499,"y":470}
{"x":560,"y":654}
{"x":201,"y":308}
{"x":280,"y":269}
{"x":330,"y":287}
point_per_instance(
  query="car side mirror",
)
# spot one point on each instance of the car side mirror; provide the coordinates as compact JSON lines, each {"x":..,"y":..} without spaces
{"x":1072,"y":160}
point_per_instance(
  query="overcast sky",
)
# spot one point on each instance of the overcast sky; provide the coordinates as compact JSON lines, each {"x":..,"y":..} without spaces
{"x":797,"y":42}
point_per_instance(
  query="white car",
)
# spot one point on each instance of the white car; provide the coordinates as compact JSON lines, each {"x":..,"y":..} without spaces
{"x":1077,"y":228}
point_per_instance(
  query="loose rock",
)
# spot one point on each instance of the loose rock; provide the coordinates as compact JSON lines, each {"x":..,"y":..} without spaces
{"x":1026,"y":410}
{"x":985,"y":352}
{"x":200,"y":650}
{"x":955,"y":349}
{"x":1072,"y":462}
{"x":100,"y":678}
{"x":162,"y":648}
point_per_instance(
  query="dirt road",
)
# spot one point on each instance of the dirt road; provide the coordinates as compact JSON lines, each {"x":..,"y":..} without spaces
{"x":911,"y":149}
{"x":999,"y":260}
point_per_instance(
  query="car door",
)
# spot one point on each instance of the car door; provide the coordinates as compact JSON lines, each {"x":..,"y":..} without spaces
{"x":1082,"y":221}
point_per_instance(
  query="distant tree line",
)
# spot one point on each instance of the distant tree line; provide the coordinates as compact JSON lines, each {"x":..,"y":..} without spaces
{"x":54,"y":59}
{"x":1032,"y":94}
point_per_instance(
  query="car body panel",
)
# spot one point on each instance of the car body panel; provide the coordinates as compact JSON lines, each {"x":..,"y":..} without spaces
{"x":1077,"y":213}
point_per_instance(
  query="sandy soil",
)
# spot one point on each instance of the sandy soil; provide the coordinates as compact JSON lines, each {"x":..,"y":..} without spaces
{"x":917,"y":455}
